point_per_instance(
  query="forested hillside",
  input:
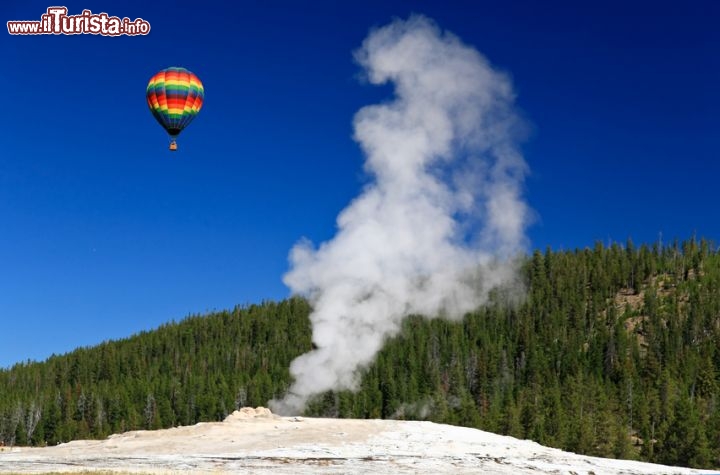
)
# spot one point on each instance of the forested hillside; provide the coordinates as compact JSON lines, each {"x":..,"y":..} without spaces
{"x":613,"y":352}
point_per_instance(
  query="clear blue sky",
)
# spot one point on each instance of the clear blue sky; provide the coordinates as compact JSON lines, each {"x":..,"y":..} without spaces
{"x":104,"y":233}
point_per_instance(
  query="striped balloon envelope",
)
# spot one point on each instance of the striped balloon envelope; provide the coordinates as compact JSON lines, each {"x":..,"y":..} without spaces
{"x":175,"y":96}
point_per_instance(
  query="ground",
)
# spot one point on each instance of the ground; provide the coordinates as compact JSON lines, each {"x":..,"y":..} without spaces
{"x":257,"y":441}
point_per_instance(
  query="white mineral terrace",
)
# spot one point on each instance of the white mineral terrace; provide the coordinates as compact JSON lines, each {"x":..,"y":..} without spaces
{"x":256,"y":441}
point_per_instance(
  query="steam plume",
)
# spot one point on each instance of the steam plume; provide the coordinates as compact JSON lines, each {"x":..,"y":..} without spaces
{"x":433,"y":231}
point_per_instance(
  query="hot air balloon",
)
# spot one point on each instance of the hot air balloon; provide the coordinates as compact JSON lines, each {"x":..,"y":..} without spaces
{"x":175,"y":96}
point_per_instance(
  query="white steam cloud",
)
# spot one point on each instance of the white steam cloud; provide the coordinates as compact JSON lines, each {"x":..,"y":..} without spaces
{"x":436,"y":228}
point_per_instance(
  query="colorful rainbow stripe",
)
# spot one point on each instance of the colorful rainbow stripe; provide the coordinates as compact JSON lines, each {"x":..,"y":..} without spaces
{"x":175,"y":96}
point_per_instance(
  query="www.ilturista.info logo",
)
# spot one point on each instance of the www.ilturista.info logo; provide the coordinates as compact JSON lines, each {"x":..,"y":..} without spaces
{"x":57,"y":22}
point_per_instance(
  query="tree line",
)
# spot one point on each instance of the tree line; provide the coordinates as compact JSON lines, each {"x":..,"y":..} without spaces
{"x":614,"y":351}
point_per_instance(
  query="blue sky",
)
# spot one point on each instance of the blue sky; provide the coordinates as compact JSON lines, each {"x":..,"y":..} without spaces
{"x":104,"y":233}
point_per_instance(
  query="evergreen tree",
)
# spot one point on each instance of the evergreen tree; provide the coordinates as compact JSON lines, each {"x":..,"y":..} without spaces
{"x":613,"y":352}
